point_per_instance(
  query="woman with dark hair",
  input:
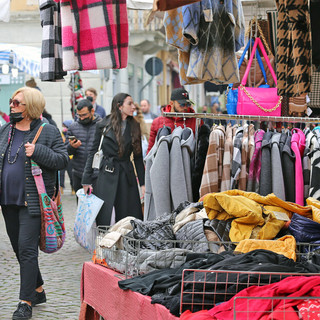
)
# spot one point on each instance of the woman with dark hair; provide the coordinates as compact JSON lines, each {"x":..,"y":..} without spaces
{"x":117,"y":184}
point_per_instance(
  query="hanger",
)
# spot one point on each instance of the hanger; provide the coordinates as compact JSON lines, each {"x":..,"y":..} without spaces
{"x":184,"y":122}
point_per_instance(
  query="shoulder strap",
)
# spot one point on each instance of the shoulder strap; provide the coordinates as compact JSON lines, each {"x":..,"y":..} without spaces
{"x":38,"y":133}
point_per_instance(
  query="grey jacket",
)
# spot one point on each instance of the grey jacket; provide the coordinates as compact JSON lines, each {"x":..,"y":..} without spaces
{"x":188,"y":145}
{"x":157,"y":177}
{"x":49,"y":153}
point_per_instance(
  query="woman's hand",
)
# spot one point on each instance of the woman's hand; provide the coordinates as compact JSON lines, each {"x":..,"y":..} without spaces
{"x":143,"y":191}
{"x":87,"y":189}
{"x":29,"y":149}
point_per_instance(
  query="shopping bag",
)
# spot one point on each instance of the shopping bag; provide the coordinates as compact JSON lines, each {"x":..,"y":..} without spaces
{"x":258,"y":101}
{"x":84,"y":226}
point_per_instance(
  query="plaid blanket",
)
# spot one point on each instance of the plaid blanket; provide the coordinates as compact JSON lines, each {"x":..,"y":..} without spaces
{"x":51,"y":49}
{"x":95,"y":34}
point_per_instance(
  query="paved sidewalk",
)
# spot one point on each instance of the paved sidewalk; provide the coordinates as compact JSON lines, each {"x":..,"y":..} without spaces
{"x":61,"y":272}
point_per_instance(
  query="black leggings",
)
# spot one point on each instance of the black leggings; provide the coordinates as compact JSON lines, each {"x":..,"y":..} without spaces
{"x":24,"y":231}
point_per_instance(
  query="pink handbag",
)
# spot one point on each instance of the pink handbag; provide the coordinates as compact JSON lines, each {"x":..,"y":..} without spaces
{"x":258,"y":101}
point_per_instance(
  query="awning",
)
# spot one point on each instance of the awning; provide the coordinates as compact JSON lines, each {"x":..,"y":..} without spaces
{"x":25,"y":58}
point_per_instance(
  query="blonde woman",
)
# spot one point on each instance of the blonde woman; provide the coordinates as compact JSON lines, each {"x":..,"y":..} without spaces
{"x":145,"y":132}
{"x":19,"y":197}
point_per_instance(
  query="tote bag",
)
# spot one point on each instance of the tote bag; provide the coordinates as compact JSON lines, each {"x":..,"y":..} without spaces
{"x":258,"y":101}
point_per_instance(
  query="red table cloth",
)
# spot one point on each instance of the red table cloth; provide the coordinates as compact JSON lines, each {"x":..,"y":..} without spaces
{"x":100,"y":290}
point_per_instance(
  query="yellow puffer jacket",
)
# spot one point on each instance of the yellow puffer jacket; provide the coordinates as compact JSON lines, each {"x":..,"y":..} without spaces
{"x":285,"y":246}
{"x":254,"y":214}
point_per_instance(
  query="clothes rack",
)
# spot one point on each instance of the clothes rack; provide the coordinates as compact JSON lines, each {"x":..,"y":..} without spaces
{"x":241,"y":117}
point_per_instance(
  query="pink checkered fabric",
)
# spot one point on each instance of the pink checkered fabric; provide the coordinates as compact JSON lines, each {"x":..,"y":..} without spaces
{"x":95,"y":34}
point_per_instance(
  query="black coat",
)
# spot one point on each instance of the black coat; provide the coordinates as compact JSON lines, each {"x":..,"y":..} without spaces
{"x":49,"y":153}
{"x":84,"y":133}
{"x":116,"y":183}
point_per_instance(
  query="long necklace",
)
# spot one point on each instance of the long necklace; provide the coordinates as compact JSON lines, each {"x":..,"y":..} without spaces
{"x":10,"y":146}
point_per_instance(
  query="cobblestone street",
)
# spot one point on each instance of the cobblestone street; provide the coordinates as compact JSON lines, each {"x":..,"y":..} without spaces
{"x":61,"y":272}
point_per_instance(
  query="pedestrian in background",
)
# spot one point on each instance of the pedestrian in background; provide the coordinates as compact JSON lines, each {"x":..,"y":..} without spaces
{"x":79,"y":140}
{"x":19,"y":198}
{"x":146,"y":110}
{"x":144,"y":129}
{"x":116,"y":183}
{"x":91,"y":93}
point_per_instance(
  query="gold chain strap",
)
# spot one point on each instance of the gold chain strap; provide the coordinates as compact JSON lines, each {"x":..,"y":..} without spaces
{"x":255,"y":20}
{"x":257,"y":103}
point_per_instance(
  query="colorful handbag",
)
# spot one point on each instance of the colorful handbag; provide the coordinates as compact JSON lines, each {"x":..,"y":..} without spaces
{"x":232,"y":93}
{"x":52,"y":233}
{"x":258,"y":101}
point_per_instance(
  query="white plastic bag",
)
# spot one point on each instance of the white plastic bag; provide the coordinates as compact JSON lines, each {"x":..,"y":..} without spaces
{"x":88,"y":209}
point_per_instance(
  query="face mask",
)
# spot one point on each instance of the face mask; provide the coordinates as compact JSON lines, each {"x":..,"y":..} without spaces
{"x":85,"y":120}
{"x":64,"y":129}
{"x":16,"y":117}
{"x":135,"y":113}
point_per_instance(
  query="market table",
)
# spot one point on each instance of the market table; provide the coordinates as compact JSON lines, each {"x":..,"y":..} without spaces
{"x":100,"y":291}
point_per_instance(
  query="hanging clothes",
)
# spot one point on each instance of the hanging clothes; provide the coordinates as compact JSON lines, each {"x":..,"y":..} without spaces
{"x":188,"y":144}
{"x":288,"y":159}
{"x":200,"y":159}
{"x":298,"y":143}
{"x":51,"y":48}
{"x":243,"y":176}
{"x":212,"y":172}
{"x":314,"y":145}
{"x":227,"y":159}
{"x":95,"y":34}
{"x":157,"y":177}
{"x":306,"y":163}
{"x":236,"y":160}
{"x":255,"y":163}
{"x":294,"y":48}
{"x":265,"y":173}
{"x":315,"y":27}
{"x":277,"y":176}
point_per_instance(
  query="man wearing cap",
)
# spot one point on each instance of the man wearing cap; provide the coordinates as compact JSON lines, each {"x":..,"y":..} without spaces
{"x":79,"y":139}
{"x":179,"y":102}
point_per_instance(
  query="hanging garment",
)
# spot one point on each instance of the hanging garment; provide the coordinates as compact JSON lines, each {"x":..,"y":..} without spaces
{"x":187,"y":149}
{"x":314,"y":146}
{"x":213,"y":58}
{"x":314,"y":95}
{"x":306,"y":163}
{"x":200,"y":159}
{"x":265,"y":174}
{"x":255,"y":163}
{"x":164,"y":5}
{"x":294,"y":48}
{"x":95,"y":34}
{"x":227,"y":159}
{"x":51,"y":48}
{"x":236,"y":159}
{"x":277,"y":177}
{"x":272,"y":19}
{"x":288,"y":159}
{"x":157,"y":177}
{"x":298,"y":143}
{"x":212,"y":172}
{"x":5,"y":10}
{"x":315,"y":27}
{"x":243,"y":176}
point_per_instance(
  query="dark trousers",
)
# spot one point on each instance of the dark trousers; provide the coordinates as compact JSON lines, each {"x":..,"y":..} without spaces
{"x":24,"y":231}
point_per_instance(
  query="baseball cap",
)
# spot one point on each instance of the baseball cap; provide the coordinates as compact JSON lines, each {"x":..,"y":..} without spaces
{"x":181,"y":95}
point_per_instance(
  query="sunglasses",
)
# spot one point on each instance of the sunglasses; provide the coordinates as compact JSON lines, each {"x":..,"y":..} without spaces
{"x":15,"y":103}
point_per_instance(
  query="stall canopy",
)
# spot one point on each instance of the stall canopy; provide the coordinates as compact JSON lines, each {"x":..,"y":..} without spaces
{"x":25,"y":58}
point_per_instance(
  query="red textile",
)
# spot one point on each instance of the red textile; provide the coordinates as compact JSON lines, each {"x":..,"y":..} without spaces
{"x":95,"y":34}
{"x":309,"y":309}
{"x":200,"y":315}
{"x":289,"y":287}
{"x":169,"y":122}
{"x":100,"y":290}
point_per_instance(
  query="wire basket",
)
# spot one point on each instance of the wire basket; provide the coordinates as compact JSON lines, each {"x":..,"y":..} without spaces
{"x":138,"y":256}
{"x":142,"y":256}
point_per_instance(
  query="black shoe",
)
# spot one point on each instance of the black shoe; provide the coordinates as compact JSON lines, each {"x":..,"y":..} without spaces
{"x":23,"y":312}
{"x":40,"y":298}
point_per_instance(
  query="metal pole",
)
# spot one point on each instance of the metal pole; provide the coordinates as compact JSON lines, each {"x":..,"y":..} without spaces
{"x":140,"y":93}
